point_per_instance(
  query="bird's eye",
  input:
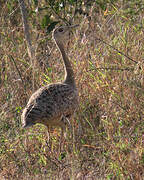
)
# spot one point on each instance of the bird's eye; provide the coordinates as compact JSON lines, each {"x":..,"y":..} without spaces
{"x":61,"y":30}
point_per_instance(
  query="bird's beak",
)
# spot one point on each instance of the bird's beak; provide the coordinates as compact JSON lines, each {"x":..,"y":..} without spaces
{"x":73,"y":26}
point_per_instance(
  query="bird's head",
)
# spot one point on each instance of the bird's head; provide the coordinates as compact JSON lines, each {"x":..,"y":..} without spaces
{"x":60,"y":34}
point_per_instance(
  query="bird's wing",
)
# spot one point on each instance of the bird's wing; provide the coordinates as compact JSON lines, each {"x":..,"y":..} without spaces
{"x":50,"y":102}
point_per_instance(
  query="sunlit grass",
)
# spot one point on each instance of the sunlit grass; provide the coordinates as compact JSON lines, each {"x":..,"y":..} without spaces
{"x":111,"y":109}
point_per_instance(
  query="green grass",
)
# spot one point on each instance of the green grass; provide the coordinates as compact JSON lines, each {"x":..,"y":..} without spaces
{"x":111,"y":100}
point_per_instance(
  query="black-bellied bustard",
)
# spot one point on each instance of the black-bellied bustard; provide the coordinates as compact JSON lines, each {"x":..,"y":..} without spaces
{"x":53,"y":104}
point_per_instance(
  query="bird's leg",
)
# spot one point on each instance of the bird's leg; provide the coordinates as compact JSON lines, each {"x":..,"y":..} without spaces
{"x":48,"y":137}
{"x":48,"y":133}
{"x":67,"y":122}
{"x":63,"y":129}
{"x":61,"y":140}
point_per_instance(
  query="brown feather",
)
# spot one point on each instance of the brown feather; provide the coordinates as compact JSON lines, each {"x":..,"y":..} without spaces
{"x":49,"y":104}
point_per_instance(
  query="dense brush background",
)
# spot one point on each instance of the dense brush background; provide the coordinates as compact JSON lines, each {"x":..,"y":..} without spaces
{"x":110,"y":84}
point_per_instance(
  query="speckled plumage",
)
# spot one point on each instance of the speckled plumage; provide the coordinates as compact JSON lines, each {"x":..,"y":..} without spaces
{"x":50,"y":104}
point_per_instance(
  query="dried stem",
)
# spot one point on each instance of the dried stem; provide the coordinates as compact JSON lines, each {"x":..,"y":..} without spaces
{"x":31,"y":51}
{"x":100,"y":39}
{"x":12,"y":59}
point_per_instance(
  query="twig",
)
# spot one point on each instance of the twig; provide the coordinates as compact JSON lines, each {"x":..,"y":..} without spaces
{"x":117,"y":50}
{"x":64,"y":3}
{"x":14,"y":10}
{"x":31,"y":52}
{"x":12,"y":59}
{"x":115,"y":69}
{"x":120,"y":106}
{"x":53,"y":10}
{"x":26,"y":27}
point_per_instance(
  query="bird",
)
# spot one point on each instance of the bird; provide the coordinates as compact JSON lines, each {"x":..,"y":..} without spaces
{"x":54,"y":104}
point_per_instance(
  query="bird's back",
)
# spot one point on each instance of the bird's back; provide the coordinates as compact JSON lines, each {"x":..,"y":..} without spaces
{"x":48,"y":104}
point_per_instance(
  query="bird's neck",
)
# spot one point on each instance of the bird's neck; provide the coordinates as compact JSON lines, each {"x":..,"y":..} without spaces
{"x":69,"y":74}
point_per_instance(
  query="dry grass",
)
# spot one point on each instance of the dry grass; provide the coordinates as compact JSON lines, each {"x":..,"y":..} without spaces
{"x":111,"y":102}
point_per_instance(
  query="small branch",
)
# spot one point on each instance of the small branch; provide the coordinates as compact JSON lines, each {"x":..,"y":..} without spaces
{"x":117,"y":50}
{"x":111,"y":68}
{"x":26,"y":28}
{"x":64,"y":3}
{"x":12,"y":59}
{"x":120,"y":106}
{"x":56,"y":14}
{"x":31,"y":52}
